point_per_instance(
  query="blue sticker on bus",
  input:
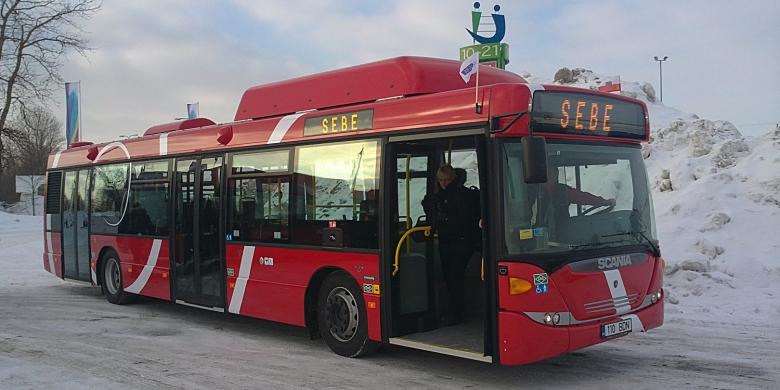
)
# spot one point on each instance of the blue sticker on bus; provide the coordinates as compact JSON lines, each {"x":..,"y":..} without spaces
{"x":538,"y":232}
{"x":541,"y":289}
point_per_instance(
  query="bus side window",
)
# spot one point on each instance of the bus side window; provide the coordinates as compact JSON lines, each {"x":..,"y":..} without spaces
{"x":259,"y":208}
{"x":337,"y":188}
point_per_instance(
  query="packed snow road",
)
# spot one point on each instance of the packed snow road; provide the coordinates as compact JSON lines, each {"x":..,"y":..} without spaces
{"x":56,"y":334}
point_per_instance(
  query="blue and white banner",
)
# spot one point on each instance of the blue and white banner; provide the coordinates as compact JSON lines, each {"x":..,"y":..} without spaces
{"x":469,"y":67}
{"x":73,"y":114}
{"x":192,"y":110}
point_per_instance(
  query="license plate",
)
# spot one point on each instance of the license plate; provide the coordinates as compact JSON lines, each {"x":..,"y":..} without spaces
{"x":616,"y":328}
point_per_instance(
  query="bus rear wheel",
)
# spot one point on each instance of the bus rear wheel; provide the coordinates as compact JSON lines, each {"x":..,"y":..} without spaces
{"x":341,"y":316}
{"x":112,"y":280}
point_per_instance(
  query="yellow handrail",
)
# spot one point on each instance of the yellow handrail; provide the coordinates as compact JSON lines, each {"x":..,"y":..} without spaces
{"x":426,"y":229}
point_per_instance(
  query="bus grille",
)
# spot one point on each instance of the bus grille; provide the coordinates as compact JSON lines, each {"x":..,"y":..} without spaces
{"x":612,"y":303}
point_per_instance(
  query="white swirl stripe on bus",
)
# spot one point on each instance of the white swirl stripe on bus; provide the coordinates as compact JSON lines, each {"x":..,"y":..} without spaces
{"x":56,"y":161}
{"x":50,"y":250}
{"x":164,"y":144}
{"x":283,"y":127}
{"x":244,"y":270}
{"x":146,"y":272}
{"x":618,"y":290}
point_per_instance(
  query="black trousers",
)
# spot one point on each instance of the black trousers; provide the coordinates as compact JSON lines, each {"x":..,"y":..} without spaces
{"x":455,"y":255}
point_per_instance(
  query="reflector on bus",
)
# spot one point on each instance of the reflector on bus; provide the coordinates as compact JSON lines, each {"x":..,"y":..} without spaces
{"x":587,"y":114}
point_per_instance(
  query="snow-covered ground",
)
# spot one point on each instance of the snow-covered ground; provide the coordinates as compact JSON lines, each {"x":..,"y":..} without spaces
{"x":717,"y":204}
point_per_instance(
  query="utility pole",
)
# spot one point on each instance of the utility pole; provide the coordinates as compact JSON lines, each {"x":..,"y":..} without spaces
{"x":661,"y":73}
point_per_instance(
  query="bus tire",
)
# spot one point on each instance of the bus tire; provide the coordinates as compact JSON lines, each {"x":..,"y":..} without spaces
{"x":341,"y":316}
{"x":111,"y":274}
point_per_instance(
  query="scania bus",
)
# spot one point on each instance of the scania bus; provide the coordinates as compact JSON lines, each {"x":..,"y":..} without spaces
{"x":306,"y":210}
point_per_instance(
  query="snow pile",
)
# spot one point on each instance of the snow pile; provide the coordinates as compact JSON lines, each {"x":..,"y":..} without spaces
{"x":24,"y":206}
{"x":717,"y":200}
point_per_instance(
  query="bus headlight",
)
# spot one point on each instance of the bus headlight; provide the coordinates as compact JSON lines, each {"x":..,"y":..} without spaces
{"x":551,"y":319}
{"x":656,"y":296}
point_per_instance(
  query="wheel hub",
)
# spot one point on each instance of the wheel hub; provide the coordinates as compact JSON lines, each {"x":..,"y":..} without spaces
{"x":112,"y":277}
{"x":341,"y":314}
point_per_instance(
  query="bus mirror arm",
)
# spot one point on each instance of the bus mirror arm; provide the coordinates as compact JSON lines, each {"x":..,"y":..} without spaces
{"x":495,"y":120}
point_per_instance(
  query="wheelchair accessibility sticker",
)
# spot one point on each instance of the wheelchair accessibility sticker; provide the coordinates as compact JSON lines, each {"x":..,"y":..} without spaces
{"x":541,"y":283}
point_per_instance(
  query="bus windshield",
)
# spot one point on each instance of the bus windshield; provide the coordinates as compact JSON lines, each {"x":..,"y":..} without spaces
{"x":595,"y":197}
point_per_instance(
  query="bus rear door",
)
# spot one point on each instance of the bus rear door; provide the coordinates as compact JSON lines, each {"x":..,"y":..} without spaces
{"x":198,"y":244}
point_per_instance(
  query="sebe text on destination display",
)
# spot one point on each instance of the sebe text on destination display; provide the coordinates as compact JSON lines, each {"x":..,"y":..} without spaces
{"x":586,"y":114}
{"x":339,"y":123}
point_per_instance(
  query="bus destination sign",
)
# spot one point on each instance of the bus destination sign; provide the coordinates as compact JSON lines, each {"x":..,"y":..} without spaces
{"x":583,"y":113}
{"x":338,"y":123}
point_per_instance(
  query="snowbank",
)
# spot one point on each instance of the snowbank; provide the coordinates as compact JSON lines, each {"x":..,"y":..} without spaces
{"x":24,"y":206}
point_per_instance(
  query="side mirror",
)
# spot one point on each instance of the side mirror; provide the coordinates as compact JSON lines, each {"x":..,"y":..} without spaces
{"x":534,"y":159}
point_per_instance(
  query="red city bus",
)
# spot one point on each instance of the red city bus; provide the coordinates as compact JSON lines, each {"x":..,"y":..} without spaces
{"x":306,"y":210}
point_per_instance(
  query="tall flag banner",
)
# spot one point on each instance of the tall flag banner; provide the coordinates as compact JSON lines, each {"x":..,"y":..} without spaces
{"x":192,"y":110}
{"x":73,"y":114}
{"x":611,"y":84}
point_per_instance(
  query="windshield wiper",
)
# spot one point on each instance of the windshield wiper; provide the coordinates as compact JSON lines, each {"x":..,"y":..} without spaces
{"x":656,"y":251}
{"x":596,"y":244}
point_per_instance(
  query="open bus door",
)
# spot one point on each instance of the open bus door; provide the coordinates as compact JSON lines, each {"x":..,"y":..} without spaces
{"x":413,"y":284}
{"x":418,"y":294}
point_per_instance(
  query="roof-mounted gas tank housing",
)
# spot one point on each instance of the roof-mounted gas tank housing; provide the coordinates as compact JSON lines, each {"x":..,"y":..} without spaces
{"x":401,"y":76}
{"x":179,"y":125}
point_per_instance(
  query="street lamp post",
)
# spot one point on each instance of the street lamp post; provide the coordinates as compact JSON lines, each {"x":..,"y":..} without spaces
{"x":661,"y":73}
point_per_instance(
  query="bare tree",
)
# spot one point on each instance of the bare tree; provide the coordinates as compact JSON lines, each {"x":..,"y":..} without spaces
{"x":39,"y":133}
{"x":36,"y":134}
{"x":35,"y":35}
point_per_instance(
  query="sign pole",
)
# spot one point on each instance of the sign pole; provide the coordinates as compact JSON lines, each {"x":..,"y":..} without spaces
{"x":477,"y":107}
{"x":32,"y":192}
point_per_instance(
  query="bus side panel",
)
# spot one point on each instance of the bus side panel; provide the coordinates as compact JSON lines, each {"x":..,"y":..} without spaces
{"x":52,"y":255}
{"x":145,"y":263}
{"x":274,"y":285}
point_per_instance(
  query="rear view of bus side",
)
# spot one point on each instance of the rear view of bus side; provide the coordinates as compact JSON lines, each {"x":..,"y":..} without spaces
{"x":307,"y":210}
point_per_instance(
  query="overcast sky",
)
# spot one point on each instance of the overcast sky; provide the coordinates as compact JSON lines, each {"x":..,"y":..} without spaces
{"x":151,"y":58}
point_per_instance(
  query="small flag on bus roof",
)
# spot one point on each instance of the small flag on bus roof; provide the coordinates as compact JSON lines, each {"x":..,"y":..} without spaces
{"x":469,"y":67}
{"x":192,"y":110}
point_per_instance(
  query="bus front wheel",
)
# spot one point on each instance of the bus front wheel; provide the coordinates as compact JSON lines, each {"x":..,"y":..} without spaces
{"x":341,"y":316}
{"x":112,"y":280}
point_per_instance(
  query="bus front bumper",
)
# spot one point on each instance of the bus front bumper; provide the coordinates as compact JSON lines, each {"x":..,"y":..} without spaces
{"x":523,"y":340}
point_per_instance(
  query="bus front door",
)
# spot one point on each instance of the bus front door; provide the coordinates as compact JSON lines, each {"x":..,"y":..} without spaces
{"x":413,"y":283}
{"x":423,"y":315}
{"x":197,"y":260}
